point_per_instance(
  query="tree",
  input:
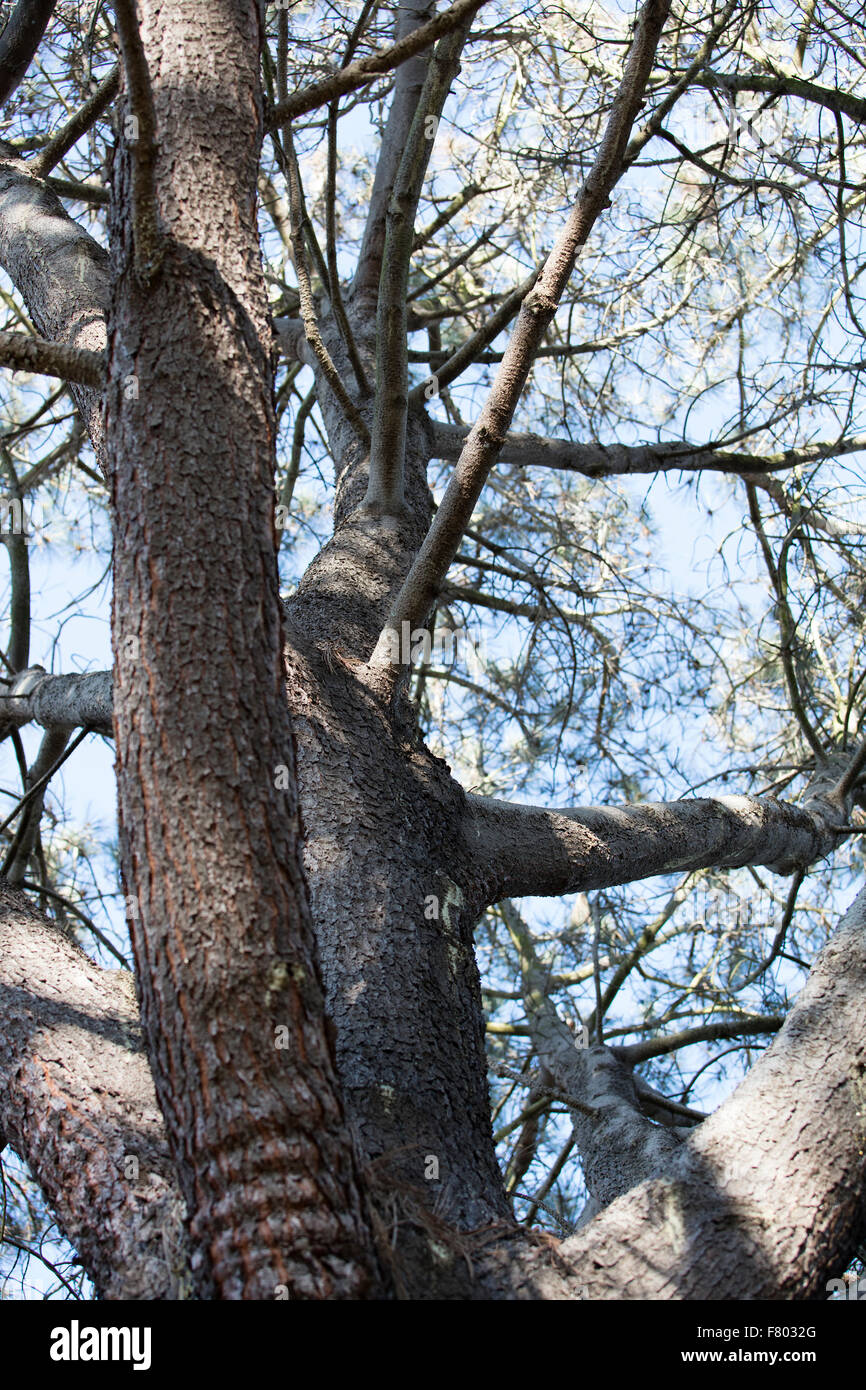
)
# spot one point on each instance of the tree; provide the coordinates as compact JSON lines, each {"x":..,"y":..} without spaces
{"x":295,"y":1102}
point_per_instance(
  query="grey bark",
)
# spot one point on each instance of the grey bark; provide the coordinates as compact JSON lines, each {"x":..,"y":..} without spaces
{"x":611,"y":460}
{"x":529,"y":850}
{"x":767,"y":1197}
{"x":77,"y":1102}
{"x":21,"y":36}
{"x":60,"y":271}
{"x":58,"y":702}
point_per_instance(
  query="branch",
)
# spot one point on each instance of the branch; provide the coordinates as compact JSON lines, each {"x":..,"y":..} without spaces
{"x":25,"y":354}
{"x":20,"y":40}
{"x":337,"y":304}
{"x":77,"y":1103}
{"x":843,"y":103}
{"x":536,"y":314}
{"x":635,"y":1053}
{"x":527,"y":851}
{"x":18,"y":654}
{"x":767,"y":1198}
{"x":470,"y":351}
{"x":94,"y":193}
{"x":78,"y":124}
{"x":307,"y":303}
{"x":619,"y":1147}
{"x":359,"y":73}
{"x":388,"y":448}
{"x":442,"y":219}
{"x":59,"y":702}
{"x":142,"y":142}
{"x":611,"y":460}
{"x":408,"y":84}
{"x":795,"y":508}
{"x":51,"y":757}
{"x":60,"y":271}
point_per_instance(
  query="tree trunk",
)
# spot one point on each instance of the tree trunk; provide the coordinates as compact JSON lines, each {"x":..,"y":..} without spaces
{"x":303,"y":874}
{"x":209,"y":827}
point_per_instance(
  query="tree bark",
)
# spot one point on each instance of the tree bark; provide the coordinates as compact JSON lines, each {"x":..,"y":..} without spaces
{"x":77,"y":1102}
{"x":209,"y":823}
{"x":214,"y":682}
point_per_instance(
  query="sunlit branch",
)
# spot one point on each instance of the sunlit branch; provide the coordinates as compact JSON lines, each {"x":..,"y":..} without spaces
{"x":536,"y":315}
{"x":359,"y":73}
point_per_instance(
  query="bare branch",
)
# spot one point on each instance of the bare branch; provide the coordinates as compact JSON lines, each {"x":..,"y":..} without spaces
{"x":26,"y":354}
{"x":834,"y":99}
{"x":19,"y":575}
{"x":388,"y":447}
{"x":60,"y":271}
{"x":78,"y":124}
{"x":408,"y":84}
{"x":468,"y":352}
{"x":536,"y":314}
{"x":778,"y":1165}
{"x":527,"y":850}
{"x":635,"y":1053}
{"x":618,"y":1145}
{"x":142,"y":143}
{"x":77,"y":1102}
{"x":50,"y":758}
{"x":59,"y":702}
{"x":331,"y":213}
{"x":308,"y":307}
{"x":358,"y":74}
{"x":19,"y":41}
{"x":611,"y":460}
{"x":94,"y":193}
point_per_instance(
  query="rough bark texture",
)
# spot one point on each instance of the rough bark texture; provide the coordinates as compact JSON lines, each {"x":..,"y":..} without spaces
{"x":61,"y":272}
{"x":77,"y":1102}
{"x":58,"y":702}
{"x":294,"y":1160}
{"x":395,"y":939}
{"x":767,"y":1198}
{"x":530,"y":849}
{"x":209,"y":818}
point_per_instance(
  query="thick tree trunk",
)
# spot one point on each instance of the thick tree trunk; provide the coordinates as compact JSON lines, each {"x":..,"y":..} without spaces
{"x":395,"y":904}
{"x":210,"y":836}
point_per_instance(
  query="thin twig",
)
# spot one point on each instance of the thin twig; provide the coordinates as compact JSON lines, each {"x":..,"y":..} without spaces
{"x":308,"y":308}
{"x":536,"y":314}
{"x":44,"y":779}
{"x":337,"y":305}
